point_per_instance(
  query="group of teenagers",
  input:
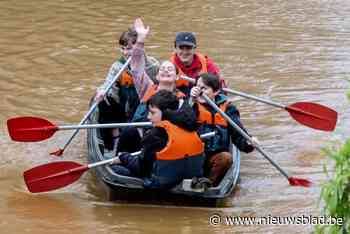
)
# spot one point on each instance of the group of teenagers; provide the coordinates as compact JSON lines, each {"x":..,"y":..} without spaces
{"x":172,"y":149}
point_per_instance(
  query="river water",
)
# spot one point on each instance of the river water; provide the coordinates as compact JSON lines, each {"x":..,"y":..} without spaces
{"x":54,"y":53}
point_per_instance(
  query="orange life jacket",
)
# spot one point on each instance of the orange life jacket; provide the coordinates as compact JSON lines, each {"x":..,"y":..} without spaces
{"x":154,"y":89}
{"x":204,"y":68}
{"x":181,"y":143}
{"x":214,"y":122}
{"x":205,"y":117}
{"x":126,"y":79}
{"x":182,"y":158}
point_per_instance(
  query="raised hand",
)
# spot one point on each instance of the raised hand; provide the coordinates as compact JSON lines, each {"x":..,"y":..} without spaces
{"x":141,"y":30}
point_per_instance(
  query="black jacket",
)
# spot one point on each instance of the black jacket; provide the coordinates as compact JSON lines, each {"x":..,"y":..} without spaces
{"x":156,"y":138}
{"x":237,"y":139}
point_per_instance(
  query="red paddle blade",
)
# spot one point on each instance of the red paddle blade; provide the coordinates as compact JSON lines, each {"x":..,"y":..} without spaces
{"x":313,"y":115}
{"x":299,"y":182}
{"x":52,"y":176}
{"x":30,"y":129}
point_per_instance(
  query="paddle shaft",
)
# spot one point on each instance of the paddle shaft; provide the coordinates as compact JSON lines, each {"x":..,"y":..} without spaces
{"x":100,"y":163}
{"x":96,"y":164}
{"x":242,"y":94}
{"x":272,"y":103}
{"x":56,"y":175}
{"x":93,"y":107}
{"x":244,"y":134}
{"x":309,"y":114}
{"x":112,"y":125}
{"x":207,"y":135}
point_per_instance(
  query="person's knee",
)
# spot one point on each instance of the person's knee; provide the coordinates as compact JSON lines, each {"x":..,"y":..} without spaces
{"x":220,"y":163}
{"x":222,"y":159}
{"x":226,"y":158}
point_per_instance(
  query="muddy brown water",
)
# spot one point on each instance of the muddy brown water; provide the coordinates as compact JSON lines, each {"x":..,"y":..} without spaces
{"x":53,"y":55}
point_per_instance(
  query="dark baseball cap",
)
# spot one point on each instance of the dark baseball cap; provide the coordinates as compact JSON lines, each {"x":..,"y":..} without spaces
{"x":185,"y":38}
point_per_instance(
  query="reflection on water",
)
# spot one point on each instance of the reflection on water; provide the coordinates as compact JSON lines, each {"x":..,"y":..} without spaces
{"x":55,"y":53}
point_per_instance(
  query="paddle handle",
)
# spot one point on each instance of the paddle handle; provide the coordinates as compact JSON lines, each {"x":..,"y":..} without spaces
{"x":96,"y":164}
{"x":189,"y":79}
{"x":112,"y":125}
{"x":207,"y":135}
{"x":93,"y":107}
{"x":244,"y":134}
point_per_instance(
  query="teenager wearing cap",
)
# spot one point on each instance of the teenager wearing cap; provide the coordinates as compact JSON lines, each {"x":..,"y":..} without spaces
{"x":189,"y":62}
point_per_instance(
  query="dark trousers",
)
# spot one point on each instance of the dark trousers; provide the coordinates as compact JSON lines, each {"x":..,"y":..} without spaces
{"x":130,"y":166}
{"x":129,"y":141}
{"x":111,"y":112}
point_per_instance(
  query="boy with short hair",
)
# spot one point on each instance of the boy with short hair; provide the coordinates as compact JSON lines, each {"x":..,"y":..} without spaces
{"x":171,"y":152}
{"x":121,"y":101}
{"x":217,"y":149}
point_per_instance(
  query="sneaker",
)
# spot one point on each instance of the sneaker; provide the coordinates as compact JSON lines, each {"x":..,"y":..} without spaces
{"x":201,"y":183}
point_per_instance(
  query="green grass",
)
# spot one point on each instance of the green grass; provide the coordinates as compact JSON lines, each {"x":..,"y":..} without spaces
{"x":335,"y":193}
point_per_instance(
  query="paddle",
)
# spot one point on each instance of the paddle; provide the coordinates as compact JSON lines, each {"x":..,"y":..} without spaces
{"x":56,"y":175}
{"x":60,"y":151}
{"x":292,"y":180}
{"x":32,"y":129}
{"x":309,"y":114}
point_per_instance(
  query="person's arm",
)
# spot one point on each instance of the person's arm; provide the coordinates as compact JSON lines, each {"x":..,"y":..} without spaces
{"x":142,"y":81}
{"x":113,"y":92}
{"x":184,"y":117}
{"x":152,"y":68}
{"x":154,"y":141}
{"x":237,"y":139}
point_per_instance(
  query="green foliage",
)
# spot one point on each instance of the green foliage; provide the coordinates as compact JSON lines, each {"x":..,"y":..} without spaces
{"x":336,"y":192}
